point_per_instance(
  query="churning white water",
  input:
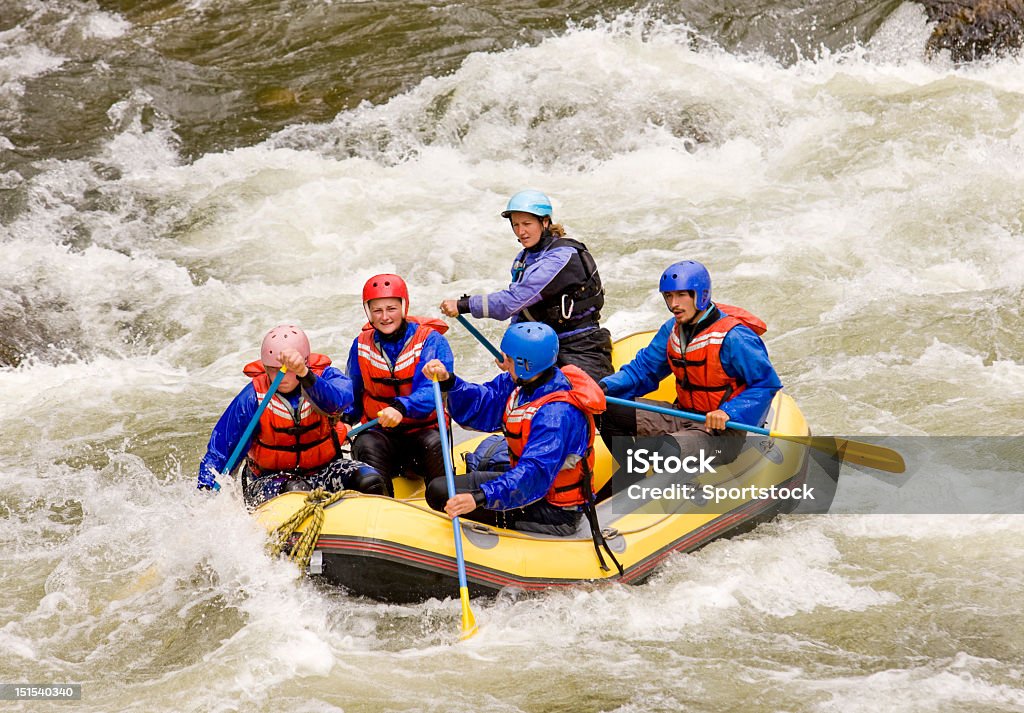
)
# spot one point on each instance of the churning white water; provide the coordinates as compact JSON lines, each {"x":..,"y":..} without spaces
{"x":867,"y":204}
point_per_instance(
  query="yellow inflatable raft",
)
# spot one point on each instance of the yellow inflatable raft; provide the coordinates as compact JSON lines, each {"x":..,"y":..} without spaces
{"x":400,"y":550}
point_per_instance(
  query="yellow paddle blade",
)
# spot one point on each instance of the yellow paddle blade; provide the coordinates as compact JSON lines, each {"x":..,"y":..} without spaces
{"x":469,"y":627}
{"x":850,"y":451}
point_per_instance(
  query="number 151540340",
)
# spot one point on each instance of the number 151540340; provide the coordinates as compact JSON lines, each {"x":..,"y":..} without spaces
{"x":40,"y":692}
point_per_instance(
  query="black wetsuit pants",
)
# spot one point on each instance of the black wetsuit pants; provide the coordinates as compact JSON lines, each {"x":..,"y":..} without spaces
{"x":394,"y":453}
{"x":338,"y":474}
{"x":590,"y":351}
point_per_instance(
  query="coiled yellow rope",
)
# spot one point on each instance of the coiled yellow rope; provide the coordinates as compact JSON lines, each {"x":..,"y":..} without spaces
{"x":301,"y":553}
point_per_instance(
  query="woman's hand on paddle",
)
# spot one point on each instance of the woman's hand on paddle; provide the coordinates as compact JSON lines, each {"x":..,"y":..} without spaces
{"x":450,"y":308}
{"x":506,"y":365}
{"x":389,"y":417}
{"x":435,"y":370}
{"x":295,"y":362}
{"x":461,"y":504}
{"x":715,"y":420}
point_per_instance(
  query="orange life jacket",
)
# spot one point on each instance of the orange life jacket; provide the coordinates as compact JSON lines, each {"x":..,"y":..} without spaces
{"x":287,"y":440}
{"x":701,"y":383}
{"x":574,"y":484}
{"x":383,"y":381}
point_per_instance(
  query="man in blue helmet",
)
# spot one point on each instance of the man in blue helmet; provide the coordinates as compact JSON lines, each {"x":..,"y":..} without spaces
{"x":547,"y":415}
{"x":554,"y":281}
{"x":720,"y":364}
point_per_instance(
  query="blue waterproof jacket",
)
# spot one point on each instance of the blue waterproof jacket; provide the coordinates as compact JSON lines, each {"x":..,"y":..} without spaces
{"x":557,"y":430}
{"x":331,"y":393}
{"x":744,"y":357}
{"x":419,"y":403}
{"x":532,"y":271}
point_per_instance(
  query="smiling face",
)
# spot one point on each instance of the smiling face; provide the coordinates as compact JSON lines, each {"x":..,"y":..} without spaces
{"x":527,"y":227}
{"x":385,"y":314}
{"x":681,"y":304}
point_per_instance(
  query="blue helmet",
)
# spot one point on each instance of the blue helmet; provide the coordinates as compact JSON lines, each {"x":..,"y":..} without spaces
{"x":533,"y":202}
{"x":688,"y":275}
{"x":532,"y":346}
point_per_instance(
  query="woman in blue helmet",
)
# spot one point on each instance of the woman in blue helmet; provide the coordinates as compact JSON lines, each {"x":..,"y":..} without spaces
{"x":547,"y":415}
{"x":720,"y":364}
{"x":554,"y":281}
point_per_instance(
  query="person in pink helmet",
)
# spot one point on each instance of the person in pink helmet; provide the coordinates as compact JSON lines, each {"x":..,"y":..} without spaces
{"x":297,"y":442}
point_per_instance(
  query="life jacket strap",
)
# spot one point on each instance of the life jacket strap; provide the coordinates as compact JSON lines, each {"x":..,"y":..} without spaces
{"x":296,"y":447}
{"x":390,"y":380}
{"x":595,"y":526}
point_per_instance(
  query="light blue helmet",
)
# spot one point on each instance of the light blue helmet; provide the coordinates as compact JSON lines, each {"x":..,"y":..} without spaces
{"x":533,"y":202}
{"x":688,"y":275}
{"x":532,"y":346}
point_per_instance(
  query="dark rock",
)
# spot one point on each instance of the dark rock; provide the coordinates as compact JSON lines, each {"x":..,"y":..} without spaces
{"x":972,"y":29}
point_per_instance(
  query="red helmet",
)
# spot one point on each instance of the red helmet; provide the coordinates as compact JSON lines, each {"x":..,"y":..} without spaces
{"x":386,"y":285}
{"x":282,"y":337}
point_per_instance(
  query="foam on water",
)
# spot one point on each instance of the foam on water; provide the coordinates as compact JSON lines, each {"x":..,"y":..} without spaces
{"x":866,"y":203}
{"x":951,"y":684}
{"x":29,"y":61}
{"x":750,"y":201}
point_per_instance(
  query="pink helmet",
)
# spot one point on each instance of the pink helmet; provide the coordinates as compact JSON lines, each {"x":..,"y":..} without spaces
{"x":282,"y":337}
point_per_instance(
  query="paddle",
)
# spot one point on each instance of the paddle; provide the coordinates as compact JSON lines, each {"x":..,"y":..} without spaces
{"x":252,"y":426}
{"x":468,"y":622}
{"x":480,"y":338}
{"x":844,"y":449}
{"x":360,"y":428}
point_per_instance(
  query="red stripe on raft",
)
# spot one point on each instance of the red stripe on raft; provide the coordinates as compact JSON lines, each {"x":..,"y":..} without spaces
{"x":702,"y":534}
{"x":447,"y":565}
{"x":440,"y":564}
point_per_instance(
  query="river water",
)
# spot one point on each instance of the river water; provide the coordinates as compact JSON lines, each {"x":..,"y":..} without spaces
{"x":178,"y":176}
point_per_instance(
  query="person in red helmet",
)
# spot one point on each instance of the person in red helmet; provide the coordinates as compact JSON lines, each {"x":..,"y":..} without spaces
{"x":297,"y":442}
{"x":384,"y":366}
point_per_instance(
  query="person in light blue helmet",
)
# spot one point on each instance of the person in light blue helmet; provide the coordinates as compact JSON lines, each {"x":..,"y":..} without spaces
{"x":547,"y":416}
{"x":554,"y":281}
{"x":720,"y":364}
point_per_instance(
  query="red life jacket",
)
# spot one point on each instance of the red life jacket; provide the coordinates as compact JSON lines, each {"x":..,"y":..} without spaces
{"x":383,"y":381}
{"x":701,"y":383}
{"x":294,"y":441}
{"x":575,"y":484}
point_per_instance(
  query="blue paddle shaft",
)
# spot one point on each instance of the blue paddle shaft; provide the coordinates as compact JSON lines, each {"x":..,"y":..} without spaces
{"x":481,"y":338}
{"x":623,"y":402}
{"x":449,"y":479}
{"x":699,"y":418}
{"x":362,"y":427}
{"x":251,"y":427}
